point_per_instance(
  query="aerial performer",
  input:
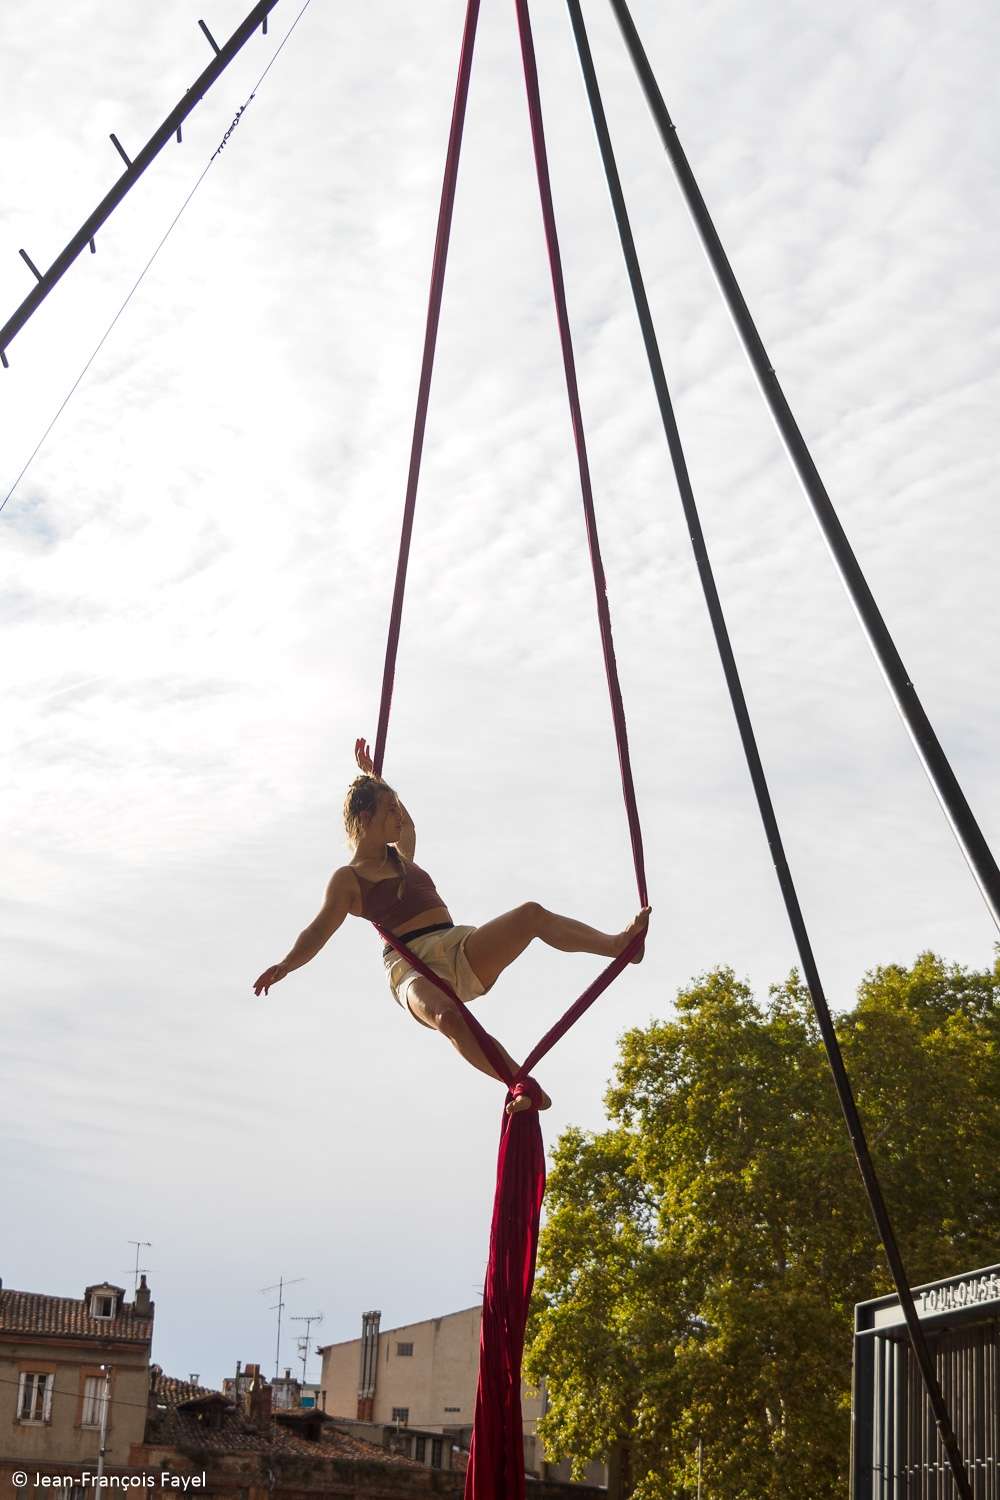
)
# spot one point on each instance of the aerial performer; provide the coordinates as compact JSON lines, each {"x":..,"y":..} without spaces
{"x":383,"y":884}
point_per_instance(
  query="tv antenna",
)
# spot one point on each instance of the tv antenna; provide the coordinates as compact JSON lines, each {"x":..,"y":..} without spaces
{"x":140,"y":1245}
{"x":279,"y":1287}
{"x":305,"y":1341}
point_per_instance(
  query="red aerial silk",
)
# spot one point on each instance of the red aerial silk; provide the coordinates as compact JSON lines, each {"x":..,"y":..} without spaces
{"x":496,"y":1463}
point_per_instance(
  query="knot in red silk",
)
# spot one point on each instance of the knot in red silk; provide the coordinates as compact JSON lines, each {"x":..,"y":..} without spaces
{"x":526,"y":1086}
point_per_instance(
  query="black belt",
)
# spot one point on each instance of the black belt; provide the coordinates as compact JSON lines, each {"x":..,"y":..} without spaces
{"x":405,"y":937}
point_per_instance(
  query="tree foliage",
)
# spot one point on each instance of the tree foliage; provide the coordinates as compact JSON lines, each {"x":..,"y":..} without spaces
{"x":702,"y":1256}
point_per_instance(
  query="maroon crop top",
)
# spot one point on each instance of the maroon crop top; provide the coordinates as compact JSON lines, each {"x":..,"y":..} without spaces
{"x":392,"y":901}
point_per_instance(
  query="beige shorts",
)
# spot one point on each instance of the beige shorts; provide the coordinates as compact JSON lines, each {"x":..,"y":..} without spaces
{"x":444,"y":953}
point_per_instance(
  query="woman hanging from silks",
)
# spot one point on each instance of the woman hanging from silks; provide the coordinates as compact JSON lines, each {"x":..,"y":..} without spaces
{"x":382,"y":884}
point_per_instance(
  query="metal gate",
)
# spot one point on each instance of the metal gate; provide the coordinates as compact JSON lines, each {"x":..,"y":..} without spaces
{"x":896,"y":1451}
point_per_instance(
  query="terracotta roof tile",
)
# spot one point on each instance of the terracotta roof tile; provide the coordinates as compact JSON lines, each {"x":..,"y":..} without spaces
{"x":175,"y":1427}
{"x":172,"y":1392}
{"x":69,"y":1317}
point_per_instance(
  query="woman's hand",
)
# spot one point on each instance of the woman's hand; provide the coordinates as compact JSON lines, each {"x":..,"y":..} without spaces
{"x":270,"y":976}
{"x":363,"y":756}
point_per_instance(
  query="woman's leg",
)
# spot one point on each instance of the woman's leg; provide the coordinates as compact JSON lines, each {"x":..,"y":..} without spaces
{"x":438,"y":1010}
{"x":496,"y":944}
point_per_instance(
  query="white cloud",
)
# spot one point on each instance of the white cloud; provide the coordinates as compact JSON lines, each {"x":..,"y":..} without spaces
{"x":197,"y":571}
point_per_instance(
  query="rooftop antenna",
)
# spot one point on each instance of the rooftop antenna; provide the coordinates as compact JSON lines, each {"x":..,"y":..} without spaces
{"x":304,"y":1341}
{"x":140,"y":1245}
{"x":279,"y":1287}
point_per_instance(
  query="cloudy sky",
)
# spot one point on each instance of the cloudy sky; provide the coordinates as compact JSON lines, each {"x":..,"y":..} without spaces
{"x":196,"y":573}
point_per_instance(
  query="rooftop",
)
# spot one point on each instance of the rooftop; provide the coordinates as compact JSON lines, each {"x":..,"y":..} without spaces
{"x":70,"y":1317}
{"x":180,"y":1419}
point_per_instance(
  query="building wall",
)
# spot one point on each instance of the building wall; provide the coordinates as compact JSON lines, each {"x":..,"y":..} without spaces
{"x":535,"y":1462}
{"x":436,"y":1384}
{"x":62,"y":1439}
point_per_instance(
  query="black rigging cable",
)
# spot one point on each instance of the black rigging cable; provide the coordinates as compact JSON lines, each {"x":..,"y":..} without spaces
{"x":172,"y":125}
{"x":961,"y":818}
{"x":142,"y":274}
{"x":769,"y":819}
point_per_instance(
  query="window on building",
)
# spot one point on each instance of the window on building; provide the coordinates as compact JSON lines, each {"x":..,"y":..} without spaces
{"x":420,"y":1450}
{"x":34,"y":1398}
{"x":400,"y":1413}
{"x":93,"y":1401}
{"x":437,"y":1451}
{"x":404,"y":1349}
{"x":102,"y":1305}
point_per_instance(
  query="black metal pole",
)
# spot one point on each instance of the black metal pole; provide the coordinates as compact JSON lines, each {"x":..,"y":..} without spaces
{"x":967,"y":831}
{"x":757,"y":776}
{"x":171,"y":126}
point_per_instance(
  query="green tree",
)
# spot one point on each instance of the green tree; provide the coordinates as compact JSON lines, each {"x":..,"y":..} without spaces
{"x":701,"y":1258}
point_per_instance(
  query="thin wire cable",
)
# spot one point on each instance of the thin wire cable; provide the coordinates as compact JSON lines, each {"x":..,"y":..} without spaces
{"x":142,"y":274}
{"x":115,"y":1400}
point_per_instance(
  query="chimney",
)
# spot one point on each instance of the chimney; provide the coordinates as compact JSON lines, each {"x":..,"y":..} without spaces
{"x":142,"y":1302}
{"x":370,"y":1322}
{"x":260,"y":1405}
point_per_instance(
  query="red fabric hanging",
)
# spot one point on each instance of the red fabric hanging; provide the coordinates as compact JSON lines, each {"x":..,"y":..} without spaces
{"x":440,"y":263}
{"x":496,"y":1463}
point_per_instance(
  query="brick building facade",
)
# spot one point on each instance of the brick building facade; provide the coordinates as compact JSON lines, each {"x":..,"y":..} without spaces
{"x":71,"y":1367}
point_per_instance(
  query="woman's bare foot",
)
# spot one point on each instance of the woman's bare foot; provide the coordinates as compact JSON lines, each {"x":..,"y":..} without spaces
{"x":523,"y":1102}
{"x":634,"y":928}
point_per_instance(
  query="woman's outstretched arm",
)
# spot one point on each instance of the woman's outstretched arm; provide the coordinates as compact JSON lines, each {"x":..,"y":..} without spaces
{"x":341,"y":896}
